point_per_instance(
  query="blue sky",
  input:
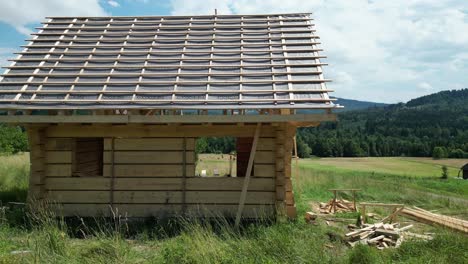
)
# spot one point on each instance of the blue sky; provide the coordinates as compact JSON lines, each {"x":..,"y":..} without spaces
{"x":386,"y":51}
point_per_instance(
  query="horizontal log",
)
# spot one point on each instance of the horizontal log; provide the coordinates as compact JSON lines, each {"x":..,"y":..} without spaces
{"x":146,"y":131}
{"x":58,"y":156}
{"x":261,"y":170}
{"x":300,"y":119}
{"x":160,"y":197}
{"x":154,"y":184}
{"x":161,"y":210}
{"x":149,"y":144}
{"x":148,"y":170}
{"x":59,"y":144}
{"x":264,"y":157}
{"x":58,"y":170}
{"x":135,"y":157}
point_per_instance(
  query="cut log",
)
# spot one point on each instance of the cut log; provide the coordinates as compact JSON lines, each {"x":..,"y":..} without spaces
{"x":310,"y":216}
{"x":375,"y":239}
{"x":405,"y":228}
{"x":388,"y":233}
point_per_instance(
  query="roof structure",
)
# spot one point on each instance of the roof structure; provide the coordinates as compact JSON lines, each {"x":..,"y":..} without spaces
{"x":169,"y":62}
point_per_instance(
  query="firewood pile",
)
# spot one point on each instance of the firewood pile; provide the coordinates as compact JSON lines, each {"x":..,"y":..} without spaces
{"x":382,"y":235}
{"x":337,"y":206}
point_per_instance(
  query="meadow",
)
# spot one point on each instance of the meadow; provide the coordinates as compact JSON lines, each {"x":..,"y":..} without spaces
{"x":41,"y":238}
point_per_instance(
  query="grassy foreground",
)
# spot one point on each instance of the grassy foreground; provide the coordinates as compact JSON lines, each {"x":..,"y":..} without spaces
{"x":26,"y":238}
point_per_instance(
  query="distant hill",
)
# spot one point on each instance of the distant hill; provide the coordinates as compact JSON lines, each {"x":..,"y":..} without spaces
{"x":414,"y":128}
{"x":350,"y":104}
{"x":454,"y":97}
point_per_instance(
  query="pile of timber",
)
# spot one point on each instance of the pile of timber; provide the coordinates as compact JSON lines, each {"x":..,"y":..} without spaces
{"x":424,"y":216}
{"x":337,"y":206}
{"x":381,"y":235}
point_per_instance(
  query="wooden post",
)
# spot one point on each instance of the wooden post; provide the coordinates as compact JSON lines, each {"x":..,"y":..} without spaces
{"x":354,"y":200}
{"x":230,"y":164}
{"x":245,"y":186}
{"x":184,"y":177}
{"x":334,"y":201}
{"x":280,"y":178}
{"x":112,"y":179}
{"x":363,"y":214}
{"x":296,"y":157}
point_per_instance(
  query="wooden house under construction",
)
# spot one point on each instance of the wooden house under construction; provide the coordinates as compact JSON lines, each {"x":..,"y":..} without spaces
{"x":113,"y":107}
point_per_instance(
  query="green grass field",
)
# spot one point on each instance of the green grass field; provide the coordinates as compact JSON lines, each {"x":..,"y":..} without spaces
{"x":411,"y":167}
{"x":26,"y":238}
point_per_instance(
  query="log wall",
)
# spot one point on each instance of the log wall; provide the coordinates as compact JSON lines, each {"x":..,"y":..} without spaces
{"x":150,"y":171}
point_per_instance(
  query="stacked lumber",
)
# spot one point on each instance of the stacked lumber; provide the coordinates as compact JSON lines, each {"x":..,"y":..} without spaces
{"x":337,"y":206}
{"x":422,"y":215}
{"x":381,"y":235}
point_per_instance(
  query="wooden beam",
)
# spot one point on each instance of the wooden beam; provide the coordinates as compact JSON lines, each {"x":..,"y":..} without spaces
{"x":187,"y":119}
{"x":247,"y":175}
{"x":112,"y":178}
{"x":184,"y":176}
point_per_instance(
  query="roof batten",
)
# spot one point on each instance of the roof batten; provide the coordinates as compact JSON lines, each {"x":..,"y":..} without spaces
{"x":170,"y":62}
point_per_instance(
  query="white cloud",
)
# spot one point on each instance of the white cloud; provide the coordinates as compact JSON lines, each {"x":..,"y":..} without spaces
{"x":386,"y":48}
{"x":201,"y":7}
{"x":113,"y":3}
{"x":459,"y":62}
{"x":425,"y":86}
{"x":21,"y":13}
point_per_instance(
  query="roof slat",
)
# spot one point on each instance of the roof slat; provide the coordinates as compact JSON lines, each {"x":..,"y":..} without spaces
{"x":189,"y":62}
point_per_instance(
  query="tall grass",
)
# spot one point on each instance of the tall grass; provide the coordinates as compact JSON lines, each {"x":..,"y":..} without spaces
{"x":41,"y":237}
{"x":431,"y":193}
{"x":14,"y":176}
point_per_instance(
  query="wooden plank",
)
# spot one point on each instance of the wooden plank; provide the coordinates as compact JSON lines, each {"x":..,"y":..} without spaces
{"x":135,"y":157}
{"x":161,"y":197}
{"x":58,"y":156}
{"x":77,"y":183}
{"x":150,"y":144}
{"x":148,"y":170}
{"x":380,"y":204}
{"x":150,"y":131}
{"x":303,"y":118}
{"x":248,"y":174}
{"x":124,"y":210}
{"x":162,"y":210}
{"x":261,"y":170}
{"x":59,"y":144}
{"x":225,"y":210}
{"x":230,"y":184}
{"x":148,"y":184}
{"x":264,"y":157}
{"x":226,"y":197}
{"x":58,"y":170}
{"x":79,"y":196}
{"x":266,"y":144}
{"x":431,"y":218}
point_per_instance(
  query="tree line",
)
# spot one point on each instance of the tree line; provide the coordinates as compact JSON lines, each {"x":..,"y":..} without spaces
{"x":434,"y":125}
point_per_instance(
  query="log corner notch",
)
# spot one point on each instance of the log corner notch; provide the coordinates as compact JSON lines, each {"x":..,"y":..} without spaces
{"x":37,"y":144}
{"x":285,"y":203}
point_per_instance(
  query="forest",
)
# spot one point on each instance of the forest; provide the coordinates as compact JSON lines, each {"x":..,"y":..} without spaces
{"x":433,"y":125}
